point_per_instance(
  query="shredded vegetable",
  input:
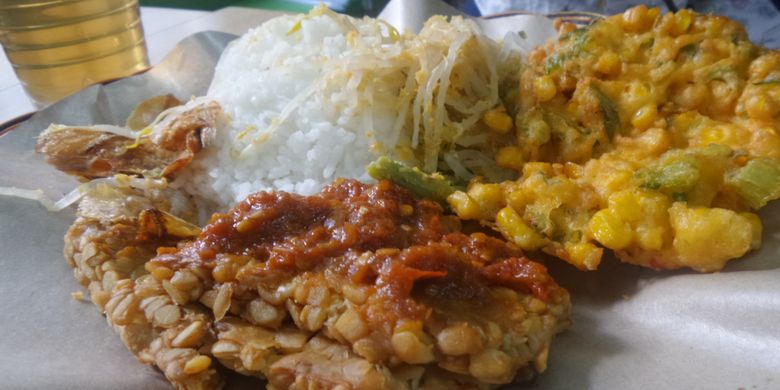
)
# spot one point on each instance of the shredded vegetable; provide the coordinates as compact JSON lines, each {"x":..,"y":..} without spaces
{"x":439,"y":83}
{"x":36,"y":195}
{"x":77,"y":193}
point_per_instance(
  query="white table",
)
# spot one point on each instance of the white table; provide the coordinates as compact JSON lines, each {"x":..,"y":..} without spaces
{"x":163,"y":27}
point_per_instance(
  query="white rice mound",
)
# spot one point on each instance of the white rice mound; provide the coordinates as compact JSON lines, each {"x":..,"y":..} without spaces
{"x":319,"y":96}
{"x":282,"y":135}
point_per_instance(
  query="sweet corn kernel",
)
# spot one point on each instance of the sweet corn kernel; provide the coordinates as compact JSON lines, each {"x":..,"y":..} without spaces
{"x":655,"y":140}
{"x":197,"y":364}
{"x":706,"y":238}
{"x":653,"y":13}
{"x":511,"y":225}
{"x":608,"y":63}
{"x":463,"y":205}
{"x":684,"y":121}
{"x":682,"y":21}
{"x":617,"y":180}
{"x":406,"y":210}
{"x":538,"y":131}
{"x":645,"y":116}
{"x":498,"y":120}
{"x":757,"y":228}
{"x":692,"y":96}
{"x":534,"y":167}
{"x":638,"y":18}
{"x":489,"y":197}
{"x":510,"y":157}
{"x":544,"y":88}
{"x":721,"y":135}
{"x":572,"y":170}
{"x":607,"y":228}
{"x":650,"y":238}
{"x":584,"y":255}
{"x":652,"y":201}
{"x":405,"y":152}
{"x":638,"y":95}
{"x":517,"y":200}
{"x":761,"y":107}
{"x":626,"y":205}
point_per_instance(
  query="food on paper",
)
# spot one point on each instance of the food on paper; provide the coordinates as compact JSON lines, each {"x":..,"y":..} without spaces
{"x":652,"y":135}
{"x":369,"y":290}
{"x":360,"y":285}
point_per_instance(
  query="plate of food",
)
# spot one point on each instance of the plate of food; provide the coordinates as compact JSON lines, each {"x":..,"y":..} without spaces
{"x":332,"y":202}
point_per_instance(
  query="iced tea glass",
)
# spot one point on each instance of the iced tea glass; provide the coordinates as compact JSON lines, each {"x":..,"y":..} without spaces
{"x":58,"y":47}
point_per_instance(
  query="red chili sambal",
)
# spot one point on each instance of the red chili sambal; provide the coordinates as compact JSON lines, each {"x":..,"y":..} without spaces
{"x":380,"y":237}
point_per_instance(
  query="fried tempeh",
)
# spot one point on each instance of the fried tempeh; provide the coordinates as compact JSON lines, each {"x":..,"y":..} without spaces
{"x":375,"y":273}
{"x":108,"y":247}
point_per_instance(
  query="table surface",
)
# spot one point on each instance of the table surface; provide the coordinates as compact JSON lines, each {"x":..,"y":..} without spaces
{"x":164,"y":27}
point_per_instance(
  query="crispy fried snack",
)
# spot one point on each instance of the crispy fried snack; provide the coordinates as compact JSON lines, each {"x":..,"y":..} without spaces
{"x":162,"y":148}
{"x":654,"y":136}
{"x":107,"y":246}
{"x":365,"y":286}
{"x":122,"y":221}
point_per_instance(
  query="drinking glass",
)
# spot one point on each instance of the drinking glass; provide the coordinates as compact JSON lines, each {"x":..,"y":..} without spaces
{"x":57,"y":47}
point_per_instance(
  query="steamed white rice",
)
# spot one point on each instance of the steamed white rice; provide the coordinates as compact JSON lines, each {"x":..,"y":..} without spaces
{"x":265,"y":72}
{"x":316,"y":97}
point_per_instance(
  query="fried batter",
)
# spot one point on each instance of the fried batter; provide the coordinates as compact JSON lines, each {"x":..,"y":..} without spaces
{"x":655,"y":136}
{"x":168,"y":147}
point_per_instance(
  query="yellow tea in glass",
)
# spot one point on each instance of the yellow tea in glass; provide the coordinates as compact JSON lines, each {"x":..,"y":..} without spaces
{"x":57,"y":47}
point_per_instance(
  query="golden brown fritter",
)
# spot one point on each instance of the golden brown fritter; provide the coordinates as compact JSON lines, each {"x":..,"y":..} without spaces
{"x":655,"y":136}
{"x":161,"y":150}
